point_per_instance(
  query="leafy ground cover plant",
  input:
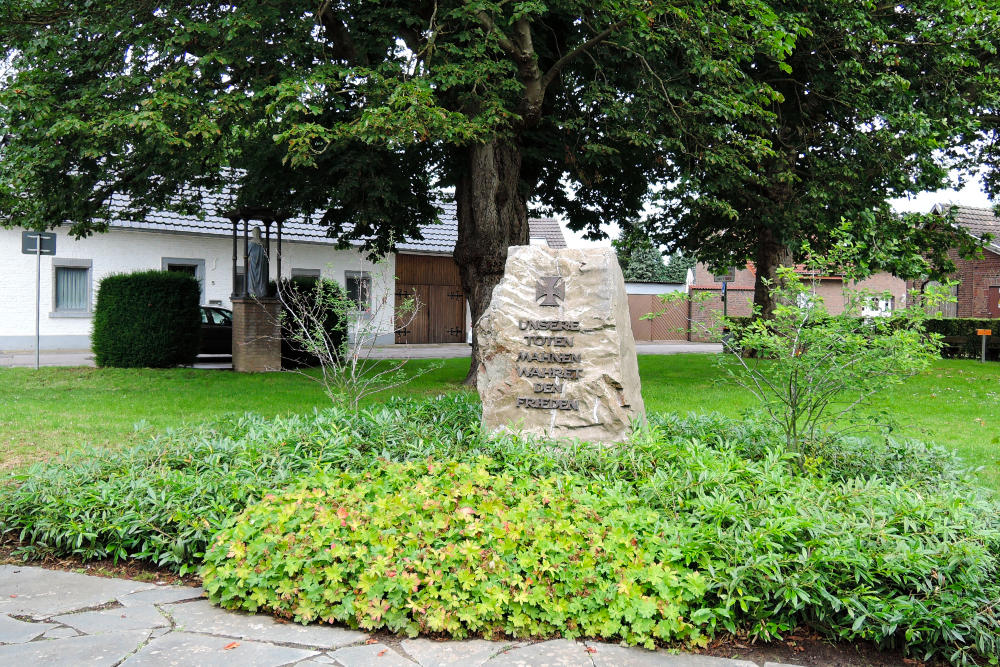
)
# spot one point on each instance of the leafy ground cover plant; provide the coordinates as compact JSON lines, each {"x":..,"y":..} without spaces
{"x":455,"y":548}
{"x":911,"y":560}
{"x":162,"y":500}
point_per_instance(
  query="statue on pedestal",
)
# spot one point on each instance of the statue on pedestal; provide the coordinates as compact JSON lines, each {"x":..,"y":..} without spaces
{"x":257,"y":269}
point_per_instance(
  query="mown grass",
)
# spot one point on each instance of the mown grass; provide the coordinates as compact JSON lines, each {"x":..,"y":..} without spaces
{"x":47,"y":412}
{"x":50,"y":411}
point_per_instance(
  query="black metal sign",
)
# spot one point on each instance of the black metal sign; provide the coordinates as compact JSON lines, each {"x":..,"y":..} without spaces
{"x":38,"y":243}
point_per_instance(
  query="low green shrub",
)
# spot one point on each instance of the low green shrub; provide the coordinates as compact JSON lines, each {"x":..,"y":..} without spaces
{"x":162,"y":500}
{"x":879,"y":540}
{"x":454,"y":548}
{"x":838,"y":457}
{"x":899,"y":564}
{"x":147,"y":319}
{"x":960,"y":338}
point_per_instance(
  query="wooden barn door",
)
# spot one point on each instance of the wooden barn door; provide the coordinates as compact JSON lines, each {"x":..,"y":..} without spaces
{"x":446,"y":307}
{"x":435,"y":283}
{"x":413,"y":327}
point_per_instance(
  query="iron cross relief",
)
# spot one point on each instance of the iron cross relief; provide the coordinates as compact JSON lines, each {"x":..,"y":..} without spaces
{"x":550,"y":288}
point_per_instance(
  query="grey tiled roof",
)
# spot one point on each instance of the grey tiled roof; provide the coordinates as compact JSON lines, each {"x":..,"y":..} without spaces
{"x":979,"y":221}
{"x":548,"y":229}
{"x":438,"y":238}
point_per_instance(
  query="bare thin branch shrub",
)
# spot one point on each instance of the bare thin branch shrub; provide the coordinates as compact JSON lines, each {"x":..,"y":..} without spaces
{"x":348,"y":368}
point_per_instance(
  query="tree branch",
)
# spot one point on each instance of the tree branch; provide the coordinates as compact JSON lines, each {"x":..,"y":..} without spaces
{"x":558,"y":65}
{"x":340,"y":37}
{"x":503,"y":40}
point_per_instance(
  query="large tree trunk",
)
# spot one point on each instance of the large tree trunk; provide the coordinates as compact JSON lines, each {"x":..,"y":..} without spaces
{"x":769,"y":255}
{"x":492,"y":216}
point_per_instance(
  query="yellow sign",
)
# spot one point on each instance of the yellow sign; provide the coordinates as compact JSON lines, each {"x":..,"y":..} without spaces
{"x":984,"y":332}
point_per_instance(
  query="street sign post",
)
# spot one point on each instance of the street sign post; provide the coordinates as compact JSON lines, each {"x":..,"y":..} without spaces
{"x":984,"y":334}
{"x":38,"y":244}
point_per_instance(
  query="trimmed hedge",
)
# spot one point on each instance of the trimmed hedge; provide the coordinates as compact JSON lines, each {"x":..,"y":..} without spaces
{"x":960,"y":339}
{"x":147,"y":319}
{"x":305,"y":290}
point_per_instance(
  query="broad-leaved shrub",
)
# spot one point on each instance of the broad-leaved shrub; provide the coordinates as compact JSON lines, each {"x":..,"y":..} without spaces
{"x":455,"y":548}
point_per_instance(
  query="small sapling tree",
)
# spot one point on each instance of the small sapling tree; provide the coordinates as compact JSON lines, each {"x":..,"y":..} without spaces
{"x":810,"y":370}
{"x":349,"y":369}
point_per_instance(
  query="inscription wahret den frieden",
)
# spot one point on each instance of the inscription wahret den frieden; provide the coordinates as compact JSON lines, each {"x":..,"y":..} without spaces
{"x":571,"y":374}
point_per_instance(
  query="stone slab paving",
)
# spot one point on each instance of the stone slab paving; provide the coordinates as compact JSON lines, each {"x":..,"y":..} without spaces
{"x":133,"y":624}
{"x":370,"y":655}
{"x":470,"y":653}
{"x":187,"y":648}
{"x":60,"y":633}
{"x":114,"y":620}
{"x":611,"y":655}
{"x":554,"y":653}
{"x":93,"y":651}
{"x":13,"y":631}
{"x":202,"y":616}
{"x":162,"y":595}
{"x":40,"y":593}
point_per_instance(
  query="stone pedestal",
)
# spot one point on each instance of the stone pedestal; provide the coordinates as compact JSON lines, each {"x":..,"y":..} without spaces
{"x":256,"y":335}
{"x":557,"y":352}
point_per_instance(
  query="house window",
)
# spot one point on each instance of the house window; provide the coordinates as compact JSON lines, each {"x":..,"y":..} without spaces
{"x":306,"y":273}
{"x":879,"y":306}
{"x":192,"y":267}
{"x":71,"y":287}
{"x":359,"y":284}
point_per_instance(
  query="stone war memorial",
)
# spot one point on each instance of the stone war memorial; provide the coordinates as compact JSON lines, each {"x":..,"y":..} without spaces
{"x":557,"y":352}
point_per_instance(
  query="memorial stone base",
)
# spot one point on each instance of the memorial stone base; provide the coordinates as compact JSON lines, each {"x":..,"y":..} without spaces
{"x":557,"y":352}
{"x":256,"y":335}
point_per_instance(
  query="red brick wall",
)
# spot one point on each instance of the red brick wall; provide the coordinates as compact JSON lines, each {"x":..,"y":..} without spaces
{"x":975,"y":277}
{"x":256,"y":335}
{"x":706,"y":307}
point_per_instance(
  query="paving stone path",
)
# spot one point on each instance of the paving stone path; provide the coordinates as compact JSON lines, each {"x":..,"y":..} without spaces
{"x":51,"y":617}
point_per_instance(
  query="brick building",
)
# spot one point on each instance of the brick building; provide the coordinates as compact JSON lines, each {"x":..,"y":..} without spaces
{"x":978,"y":291}
{"x":706,"y":294}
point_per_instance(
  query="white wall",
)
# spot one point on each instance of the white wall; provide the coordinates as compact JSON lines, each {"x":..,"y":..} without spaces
{"x":653,"y":288}
{"x":120,"y":251}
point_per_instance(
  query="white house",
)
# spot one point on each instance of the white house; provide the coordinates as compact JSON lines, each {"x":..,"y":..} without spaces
{"x":164,"y":240}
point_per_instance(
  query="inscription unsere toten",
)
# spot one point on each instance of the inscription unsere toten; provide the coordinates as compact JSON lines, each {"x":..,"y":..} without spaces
{"x":549,"y":325}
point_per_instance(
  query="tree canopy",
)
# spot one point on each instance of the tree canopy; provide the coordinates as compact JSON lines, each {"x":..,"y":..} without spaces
{"x":752,"y":125}
{"x":641,"y":262}
{"x":363,"y":113}
{"x":875,"y":101}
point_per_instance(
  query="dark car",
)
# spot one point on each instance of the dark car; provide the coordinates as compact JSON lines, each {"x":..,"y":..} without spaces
{"x":216,"y":330}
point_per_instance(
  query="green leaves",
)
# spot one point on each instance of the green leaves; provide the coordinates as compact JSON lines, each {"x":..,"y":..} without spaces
{"x":808,"y":368}
{"x":436,"y":545}
{"x":408,"y":516}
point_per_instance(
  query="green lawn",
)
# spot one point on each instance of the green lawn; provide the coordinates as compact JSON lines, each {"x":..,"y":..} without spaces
{"x":956,"y":404}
